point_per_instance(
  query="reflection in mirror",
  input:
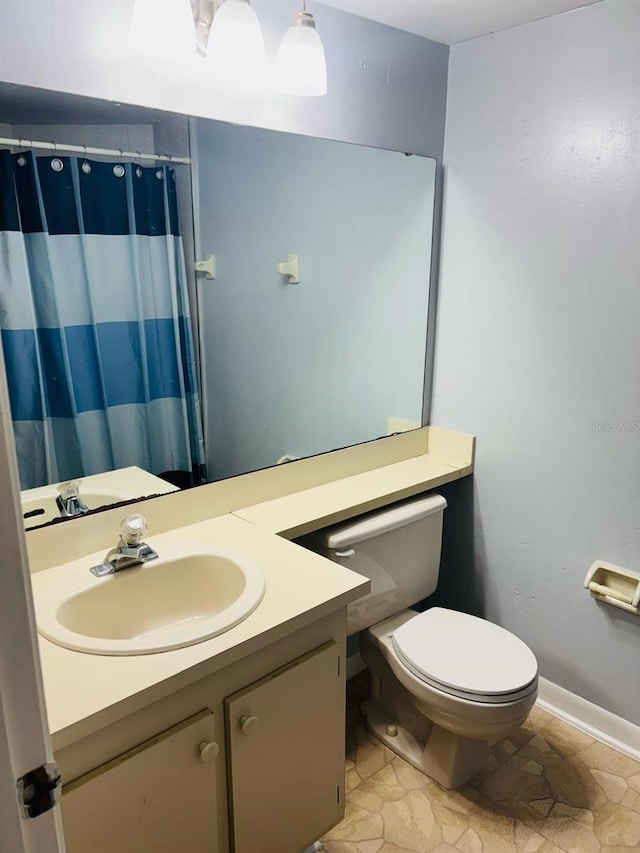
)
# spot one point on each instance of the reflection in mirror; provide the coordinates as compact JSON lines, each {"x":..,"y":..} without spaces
{"x":294,"y":369}
{"x":121,"y":357}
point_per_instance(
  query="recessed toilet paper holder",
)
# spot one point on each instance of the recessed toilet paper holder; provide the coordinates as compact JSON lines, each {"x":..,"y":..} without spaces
{"x":614,"y":585}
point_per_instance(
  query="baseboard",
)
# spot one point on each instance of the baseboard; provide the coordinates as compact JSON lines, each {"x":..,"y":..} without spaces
{"x":355,"y":664}
{"x":589,"y":718}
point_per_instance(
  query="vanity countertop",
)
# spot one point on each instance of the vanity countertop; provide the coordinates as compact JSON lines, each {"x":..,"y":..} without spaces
{"x":86,"y":692}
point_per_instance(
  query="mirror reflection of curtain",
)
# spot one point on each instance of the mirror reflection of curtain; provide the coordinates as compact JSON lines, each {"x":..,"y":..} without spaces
{"x":95,"y":320}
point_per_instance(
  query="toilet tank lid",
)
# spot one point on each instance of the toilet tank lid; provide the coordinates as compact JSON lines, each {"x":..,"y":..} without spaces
{"x":381,"y":521}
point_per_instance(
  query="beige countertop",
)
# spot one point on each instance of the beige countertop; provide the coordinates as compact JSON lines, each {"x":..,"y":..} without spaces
{"x":85,"y":692}
{"x":308,"y":510}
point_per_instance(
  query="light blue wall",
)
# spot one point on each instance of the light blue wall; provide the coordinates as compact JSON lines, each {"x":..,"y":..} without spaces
{"x":301,"y":369}
{"x":538,"y":349}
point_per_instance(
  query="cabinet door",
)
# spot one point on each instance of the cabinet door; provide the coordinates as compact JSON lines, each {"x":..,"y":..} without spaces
{"x":157,"y":798}
{"x":286,"y":746}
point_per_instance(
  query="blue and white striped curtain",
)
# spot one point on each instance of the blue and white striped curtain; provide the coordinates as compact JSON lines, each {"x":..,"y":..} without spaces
{"x":95,"y":319}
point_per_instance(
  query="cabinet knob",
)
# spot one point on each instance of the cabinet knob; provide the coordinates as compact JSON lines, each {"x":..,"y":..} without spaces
{"x":249,"y":725}
{"x":208,"y":751}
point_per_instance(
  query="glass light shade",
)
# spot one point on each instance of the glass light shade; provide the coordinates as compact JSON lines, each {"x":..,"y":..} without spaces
{"x":236,"y":51}
{"x":163,"y":28}
{"x":301,"y":66}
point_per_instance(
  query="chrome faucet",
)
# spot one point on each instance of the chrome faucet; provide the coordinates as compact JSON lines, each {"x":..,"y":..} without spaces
{"x":68,"y":500}
{"x":130,"y":551}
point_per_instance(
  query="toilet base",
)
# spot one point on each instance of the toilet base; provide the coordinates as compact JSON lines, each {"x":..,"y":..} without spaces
{"x":448,"y":758}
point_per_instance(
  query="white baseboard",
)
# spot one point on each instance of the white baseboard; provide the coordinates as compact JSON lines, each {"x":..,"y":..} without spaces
{"x":589,"y":718}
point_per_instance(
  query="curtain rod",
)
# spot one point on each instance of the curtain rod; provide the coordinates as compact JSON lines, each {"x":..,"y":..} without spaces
{"x":87,"y":149}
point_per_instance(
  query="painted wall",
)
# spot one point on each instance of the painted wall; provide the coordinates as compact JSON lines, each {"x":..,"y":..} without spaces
{"x":538,"y":350}
{"x":387,"y":88}
{"x":304,"y":368}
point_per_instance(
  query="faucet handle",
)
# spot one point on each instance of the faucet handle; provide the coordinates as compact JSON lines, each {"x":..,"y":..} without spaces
{"x":68,"y":490}
{"x":133,"y":530}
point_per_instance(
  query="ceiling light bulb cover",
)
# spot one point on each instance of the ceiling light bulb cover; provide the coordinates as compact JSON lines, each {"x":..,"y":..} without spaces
{"x":163,"y":28}
{"x":301,"y":66}
{"x":236,"y":51}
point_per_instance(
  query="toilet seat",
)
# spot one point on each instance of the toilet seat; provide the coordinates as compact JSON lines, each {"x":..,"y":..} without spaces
{"x":466,"y":657}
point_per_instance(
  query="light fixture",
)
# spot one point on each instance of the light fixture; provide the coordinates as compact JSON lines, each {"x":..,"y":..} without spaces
{"x":228,"y":33}
{"x":163,"y":28}
{"x":301,"y":66}
{"x":236,"y":51}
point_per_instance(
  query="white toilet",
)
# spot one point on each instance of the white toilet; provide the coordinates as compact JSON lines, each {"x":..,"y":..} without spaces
{"x":444,"y":684}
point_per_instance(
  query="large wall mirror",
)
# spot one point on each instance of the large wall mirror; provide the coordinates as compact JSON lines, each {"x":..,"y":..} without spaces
{"x":134,"y":372}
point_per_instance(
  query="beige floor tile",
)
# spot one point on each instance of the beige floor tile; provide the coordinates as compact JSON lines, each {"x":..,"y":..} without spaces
{"x":340,"y":847}
{"x":385,"y":784}
{"x":538,"y":718}
{"x":364,"y":800}
{"x":564,"y":739}
{"x":599,"y":756}
{"x":454,"y":823}
{"x":410,"y":823}
{"x":571,"y":782}
{"x":510,"y":783}
{"x":528,"y":841}
{"x":368,"y":759}
{"x":496,"y":829}
{"x":569,"y":835}
{"x":614,"y":787}
{"x":470,"y":842}
{"x":547,"y":788}
{"x":617,"y":826}
{"x":358,"y":825}
{"x":632,"y":800}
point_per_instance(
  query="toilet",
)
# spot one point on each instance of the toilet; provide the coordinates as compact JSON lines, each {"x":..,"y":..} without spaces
{"x":444,"y":685}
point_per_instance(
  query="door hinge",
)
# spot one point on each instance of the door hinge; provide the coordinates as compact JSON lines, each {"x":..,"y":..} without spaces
{"x":38,"y":790}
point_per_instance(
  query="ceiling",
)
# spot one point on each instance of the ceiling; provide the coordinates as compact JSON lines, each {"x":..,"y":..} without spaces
{"x":451,"y":21}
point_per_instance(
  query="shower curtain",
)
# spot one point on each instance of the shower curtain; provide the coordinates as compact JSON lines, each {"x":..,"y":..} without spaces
{"x":95,"y":321}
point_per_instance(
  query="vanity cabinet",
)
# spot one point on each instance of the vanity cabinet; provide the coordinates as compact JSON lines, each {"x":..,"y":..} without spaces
{"x":286,"y":755}
{"x":270,"y":728}
{"x":156,"y":798}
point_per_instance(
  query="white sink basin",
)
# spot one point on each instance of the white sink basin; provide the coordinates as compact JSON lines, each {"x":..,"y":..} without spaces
{"x":45,"y":509}
{"x":96,"y":490}
{"x":161,"y":605}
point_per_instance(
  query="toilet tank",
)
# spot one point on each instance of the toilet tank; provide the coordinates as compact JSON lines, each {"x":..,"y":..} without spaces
{"x":397,"y":548}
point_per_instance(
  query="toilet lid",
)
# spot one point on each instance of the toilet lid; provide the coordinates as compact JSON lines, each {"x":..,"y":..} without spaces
{"x":466,"y":656}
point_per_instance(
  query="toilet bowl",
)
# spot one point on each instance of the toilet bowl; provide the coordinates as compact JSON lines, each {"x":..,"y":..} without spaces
{"x":444,"y":728}
{"x":444,"y":684}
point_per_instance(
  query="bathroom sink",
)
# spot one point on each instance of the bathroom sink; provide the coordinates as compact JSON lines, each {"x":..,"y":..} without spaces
{"x":96,"y":490}
{"x":43,"y":508}
{"x":158,"y":606}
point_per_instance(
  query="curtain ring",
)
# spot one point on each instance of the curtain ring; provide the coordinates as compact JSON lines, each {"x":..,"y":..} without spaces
{"x":21,"y":159}
{"x":119,"y":170}
{"x":86,"y":166}
{"x":56,"y":163}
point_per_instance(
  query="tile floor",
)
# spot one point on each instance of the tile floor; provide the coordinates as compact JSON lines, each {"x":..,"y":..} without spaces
{"x":547,"y":788}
